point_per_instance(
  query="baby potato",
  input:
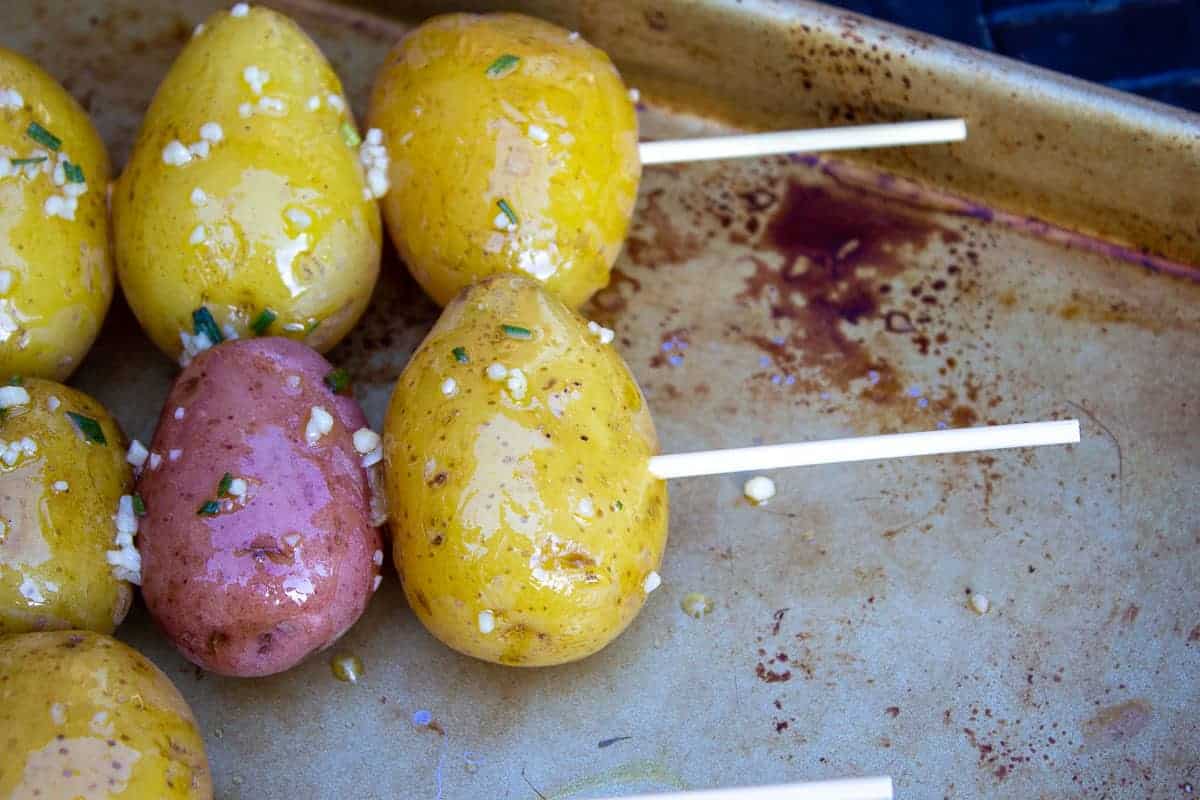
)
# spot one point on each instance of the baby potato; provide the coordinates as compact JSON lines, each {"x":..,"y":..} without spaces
{"x":63,"y":473}
{"x":527,"y":526}
{"x":245,"y":194}
{"x":84,"y":716}
{"x":56,"y":275}
{"x":258,"y":543}
{"x":514,"y":148}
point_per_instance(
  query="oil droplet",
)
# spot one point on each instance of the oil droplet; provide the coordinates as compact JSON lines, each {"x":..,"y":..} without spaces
{"x":697,"y":605}
{"x":347,"y":668}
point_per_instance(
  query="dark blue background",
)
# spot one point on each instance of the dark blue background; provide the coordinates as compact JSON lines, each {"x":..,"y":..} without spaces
{"x":1150,"y":47}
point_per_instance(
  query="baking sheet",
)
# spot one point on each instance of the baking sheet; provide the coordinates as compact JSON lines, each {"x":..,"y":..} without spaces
{"x":751,"y":304}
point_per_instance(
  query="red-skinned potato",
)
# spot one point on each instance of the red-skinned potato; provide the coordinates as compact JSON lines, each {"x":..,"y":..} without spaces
{"x":258,"y":545}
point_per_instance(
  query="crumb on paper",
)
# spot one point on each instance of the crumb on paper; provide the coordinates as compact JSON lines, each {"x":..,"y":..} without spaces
{"x":980,"y":603}
{"x":759,"y":489}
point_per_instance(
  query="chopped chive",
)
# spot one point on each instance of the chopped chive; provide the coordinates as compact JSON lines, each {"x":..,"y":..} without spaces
{"x":203,"y":322}
{"x":20,"y":162}
{"x":619,"y":505}
{"x":263,"y":321}
{"x":516,"y":332}
{"x":503,"y":65}
{"x":139,"y":505}
{"x":16,"y":380}
{"x":74,"y":172}
{"x":350,"y":134}
{"x":210,"y":508}
{"x":460,"y":355}
{"x":224,"y":484}
{"x":88,"y":427}
{"x":506,"y":209}
{"x":337,"y":381}
{"x":43,"y":136}
{"x":311,"y":326}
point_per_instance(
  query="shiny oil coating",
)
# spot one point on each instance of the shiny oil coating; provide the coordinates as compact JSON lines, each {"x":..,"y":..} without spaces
{"x":553,"y":135}
{"x":532,"y":513}
{"x":53,"y":572}
{"x":269,"y":577}
{"x":61,"y":269}
{"x":281,"y":221}
{"x":86,"y":717}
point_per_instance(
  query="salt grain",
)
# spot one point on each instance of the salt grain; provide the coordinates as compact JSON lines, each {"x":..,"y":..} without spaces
{"x":175,"y":154}
{"x":320,"y":422}
{"x":653,"y":581}
{"x":137,"y":454}
{"x":365,"y":440}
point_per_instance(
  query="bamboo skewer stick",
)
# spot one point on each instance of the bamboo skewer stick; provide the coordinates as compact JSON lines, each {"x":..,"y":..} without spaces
{"x":847,"y":137}
{"x":849,"y":789}
{"x":865,"y":448}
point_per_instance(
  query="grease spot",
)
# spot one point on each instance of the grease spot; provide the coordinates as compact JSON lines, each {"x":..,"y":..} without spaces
{"x":1116,"y":724}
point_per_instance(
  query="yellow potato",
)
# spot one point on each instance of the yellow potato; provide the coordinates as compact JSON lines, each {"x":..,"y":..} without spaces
{"x":56,"y":278}
{"x":59,"y":493}
{"x":479,"y":111}
{"x":527,"y":527}
{"x":245,"y":193}
{"x":84,"y":716}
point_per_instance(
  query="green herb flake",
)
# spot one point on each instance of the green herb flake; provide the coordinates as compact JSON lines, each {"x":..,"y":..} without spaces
{"x":43,"y":136}
{"x":209,"y":509}
{"x":139,"y":505}
{"x":20,"y":162}
{"x":74,"y":172}
{"x":89,"y":427}
{"x":619,"y":505}
{"x":337,"y":381}
{"x":517,"y":332}
{"x":503,"y":65}
{"x":350,"y":134}
{"x":460,"y":355}
{"x":263,"y":321}
{"x":203,"y":322}
{"x":16,"y":380}
{"x":311,"y":326}
{"x":224,"y":484}
{"x":506,"y":209}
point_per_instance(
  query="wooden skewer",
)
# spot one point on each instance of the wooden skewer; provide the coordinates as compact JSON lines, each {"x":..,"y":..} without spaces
{"x":865,"y":448}
{"x":849,"y":789}
{"x":848,"y":137}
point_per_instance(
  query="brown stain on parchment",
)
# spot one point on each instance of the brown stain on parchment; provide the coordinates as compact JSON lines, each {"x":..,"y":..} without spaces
{"x":838,"y":251}
{"x":655,"y":238}
{"x":1116,"y":724}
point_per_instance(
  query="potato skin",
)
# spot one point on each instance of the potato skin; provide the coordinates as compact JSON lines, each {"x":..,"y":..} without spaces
{"x":460,"y":140}
{"x":253,"y":254}
{"x":489,"y":493}
{"x":81,"y":710}
{"x":53,"y":572}
{"x":257,"y":587}
{"x":61,"y":269}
